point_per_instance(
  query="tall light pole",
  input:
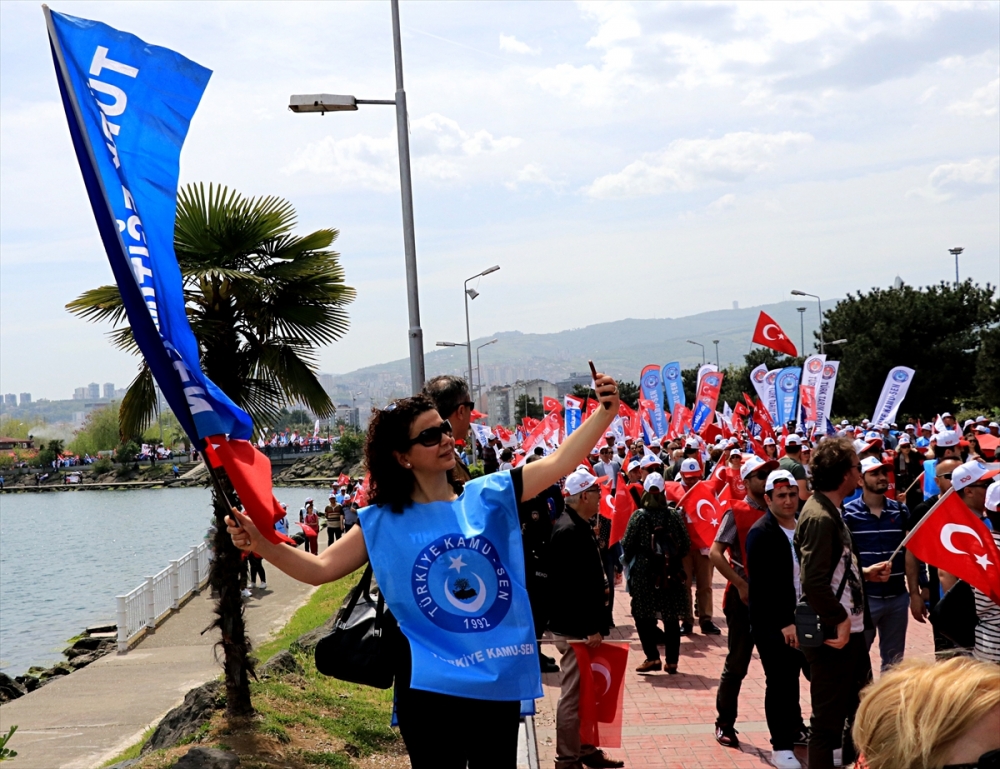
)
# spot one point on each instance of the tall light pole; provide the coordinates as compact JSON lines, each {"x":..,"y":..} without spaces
{"x":691,"y":341}
{"x":822,"y":344}
{"x":802,"y":327}
{"x":717,"y":364}
{"x":479,"y":372}
{"x":471,"y":293}
{"x":955,"y":252}
{"x":324,"y":103}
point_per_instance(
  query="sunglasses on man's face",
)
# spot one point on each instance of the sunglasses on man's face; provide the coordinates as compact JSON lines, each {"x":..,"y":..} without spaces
{"x":432,"y":435}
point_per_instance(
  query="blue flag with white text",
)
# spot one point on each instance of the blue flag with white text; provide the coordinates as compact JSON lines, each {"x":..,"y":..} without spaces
{"x":129,"y":105}
{"x":652,"y":390}
{"x":786,"y":389}
{"x":674,"y":386}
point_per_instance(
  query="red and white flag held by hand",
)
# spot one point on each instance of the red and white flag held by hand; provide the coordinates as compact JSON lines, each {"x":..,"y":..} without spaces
{"x":702,"y":512}
{"x":607,"y":508}
{"x":769,"y":334}
{"x":343,"y":479}
{"x":624,"y":507}
{"x":953,"y":538}
{"x":551,"y":404}
{"x":602,"y":689}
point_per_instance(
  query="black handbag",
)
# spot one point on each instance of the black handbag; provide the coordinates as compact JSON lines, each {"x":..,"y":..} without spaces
{"x":807,"y":625}
{"x":954,"y":616}
{"x":359,"y":648}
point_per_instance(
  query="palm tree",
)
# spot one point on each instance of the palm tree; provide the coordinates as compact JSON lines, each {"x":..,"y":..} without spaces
{"x":260,"y":301}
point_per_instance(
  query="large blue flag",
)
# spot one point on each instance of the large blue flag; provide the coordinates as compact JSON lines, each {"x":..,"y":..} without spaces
{"x":674,"y":386}
{"x":652,"y":390}
{"x":786,"y":388}
{"x":129,"y":105}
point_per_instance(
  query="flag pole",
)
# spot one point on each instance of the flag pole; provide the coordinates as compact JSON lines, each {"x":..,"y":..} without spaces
{"x":920,"y":523}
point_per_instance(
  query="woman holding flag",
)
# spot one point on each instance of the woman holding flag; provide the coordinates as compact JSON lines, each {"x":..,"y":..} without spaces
{"x":449,"y":561}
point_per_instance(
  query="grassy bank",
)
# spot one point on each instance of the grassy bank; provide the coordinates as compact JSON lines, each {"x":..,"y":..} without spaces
{"x":304,"y":720}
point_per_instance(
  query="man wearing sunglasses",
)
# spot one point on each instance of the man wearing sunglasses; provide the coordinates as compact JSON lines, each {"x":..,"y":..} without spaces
{"x":451,"y":397}
{"x":878,"y":524}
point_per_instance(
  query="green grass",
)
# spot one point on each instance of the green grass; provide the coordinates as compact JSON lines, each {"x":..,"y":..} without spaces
{"x":332,"y":760}
{"x":132,"y":752}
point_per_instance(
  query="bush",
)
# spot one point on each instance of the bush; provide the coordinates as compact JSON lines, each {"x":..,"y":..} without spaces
{"x":103,"y":465}
{"x":350,"y":447}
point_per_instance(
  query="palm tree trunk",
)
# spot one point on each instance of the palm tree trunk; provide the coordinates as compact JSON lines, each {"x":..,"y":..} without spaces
{"x":226,"y":578}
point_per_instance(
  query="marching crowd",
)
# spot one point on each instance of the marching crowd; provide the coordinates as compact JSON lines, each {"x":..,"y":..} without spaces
{"x":808,"y":531}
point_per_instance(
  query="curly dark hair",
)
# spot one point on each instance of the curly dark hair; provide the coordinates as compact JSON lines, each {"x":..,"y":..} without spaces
{"x":831,"y":462}
{"x":390,"y":483}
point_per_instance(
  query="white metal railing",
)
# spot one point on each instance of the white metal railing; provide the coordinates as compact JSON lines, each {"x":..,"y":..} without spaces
{"x":141,"y":609}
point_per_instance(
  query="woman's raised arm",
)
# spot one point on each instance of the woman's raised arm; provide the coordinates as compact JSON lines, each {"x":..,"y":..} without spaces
{"x":538,"y":476}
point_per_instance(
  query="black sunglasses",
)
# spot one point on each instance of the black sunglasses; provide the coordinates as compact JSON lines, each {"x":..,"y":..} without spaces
{"x":946,"y":476}
{"x":432,"y":435}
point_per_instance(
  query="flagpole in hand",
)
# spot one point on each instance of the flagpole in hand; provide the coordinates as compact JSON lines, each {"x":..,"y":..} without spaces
{"x":921,"y":522}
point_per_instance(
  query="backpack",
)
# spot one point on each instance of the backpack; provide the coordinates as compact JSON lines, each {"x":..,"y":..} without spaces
{"x":667,"y":563}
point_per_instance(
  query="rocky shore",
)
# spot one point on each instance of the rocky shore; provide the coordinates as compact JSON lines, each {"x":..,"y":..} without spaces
{"x":94,"y":643}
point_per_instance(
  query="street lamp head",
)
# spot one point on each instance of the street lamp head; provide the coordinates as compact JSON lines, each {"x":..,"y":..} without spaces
{"x":801,"y":309}
{"x":956,"y":250}
{"x":488,"y":270}
{"x":322,"y":102}
{"x":691,"y":341}
{"x":472,"y":293}
{"x":446,"y":344}
{"x":799,"y":293}
{"x":492,"y":341}
{"x":838,"y":341}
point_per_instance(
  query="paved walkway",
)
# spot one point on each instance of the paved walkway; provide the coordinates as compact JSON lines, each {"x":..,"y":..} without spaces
{"x":669,"y":721}
{"x":81,"y":720}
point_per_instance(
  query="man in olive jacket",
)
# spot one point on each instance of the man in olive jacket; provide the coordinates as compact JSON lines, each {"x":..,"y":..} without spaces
{"x":578,"y":601}
{"x":828,"y":558}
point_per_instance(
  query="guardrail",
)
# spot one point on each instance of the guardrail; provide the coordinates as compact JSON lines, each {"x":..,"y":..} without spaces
{"x":140,"y":609}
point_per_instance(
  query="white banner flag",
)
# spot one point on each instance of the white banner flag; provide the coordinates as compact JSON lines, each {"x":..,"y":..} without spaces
{"x":824,"y":395}
{"x":771,"y":401}
{"x":757,"y":377}
{"x":812,"y":371}
{"x":893,"y":392}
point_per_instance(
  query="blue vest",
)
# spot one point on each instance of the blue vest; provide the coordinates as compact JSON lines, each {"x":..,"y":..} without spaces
{"x":453,"y":575}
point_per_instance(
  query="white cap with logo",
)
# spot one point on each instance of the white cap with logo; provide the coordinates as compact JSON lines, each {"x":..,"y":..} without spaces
{"x":871,"y":463}
{"x":779,"y":478}
{"x":577,"y":481}
{"x":948,"y":438}
{"x":690,"y":467}
{"x":753,"y":463}
{"x":971,"y":472}
{"x":993,"y":497}
{"x":653,"y":481}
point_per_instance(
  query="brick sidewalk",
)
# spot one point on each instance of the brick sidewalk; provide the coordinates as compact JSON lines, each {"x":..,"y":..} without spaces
{"x":669,"y":721}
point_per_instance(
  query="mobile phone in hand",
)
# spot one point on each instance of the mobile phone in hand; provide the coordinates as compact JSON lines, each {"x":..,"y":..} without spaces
{"x":593,"y":373}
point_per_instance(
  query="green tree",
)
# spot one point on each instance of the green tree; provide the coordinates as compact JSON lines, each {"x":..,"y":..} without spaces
{"x":50,"y":453}
{"x":937,"y":331}
{"x":583,"y":392}
{"x":260,"y":301}
{"x":527,"y":406}
{"x":99,"y":432}
{"x":628,"y":392}
{"x":988,"y":369}
{"x":350,"y":447}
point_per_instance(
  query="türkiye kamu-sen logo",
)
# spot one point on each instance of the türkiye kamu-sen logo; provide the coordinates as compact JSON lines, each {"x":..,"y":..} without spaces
{"x":460,"y":584}
{"x":651,"y":381}
{"x":900,"y":376}
{"x":671,"y":374}
{"x":759,"y":375}
{"x":828,"y":372}
{"x":787,"y":383}
{"x":815,"y":366}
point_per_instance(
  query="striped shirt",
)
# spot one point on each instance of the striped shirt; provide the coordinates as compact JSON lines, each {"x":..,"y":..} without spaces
{"x":988,"y":629}
{"x":877,"y":536}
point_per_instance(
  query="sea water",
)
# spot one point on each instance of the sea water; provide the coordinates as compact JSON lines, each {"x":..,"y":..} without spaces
{"x":64,"y":556}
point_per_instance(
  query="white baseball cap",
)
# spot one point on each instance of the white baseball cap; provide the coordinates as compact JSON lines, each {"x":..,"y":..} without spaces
{"x":648,"y":460}
{"x":946,"y":414}
{"x":779,"y":478}
{"x":692,"y":443}
{"x":769,"y":441}
{"x":577,"y":481}
{"x":927,"y":426}
{"x":654,"y":442}
{"x":993,"y":497}
{"x":753,"y":463}
{"x":653,"y":481}
{"x":690,"y":467}
{"x":948,"y":438}
{"x":793,"y":440}
{"x":911,"y":427}
{"x":871,"y":463}
{"x":904,"y":440}
{"x":981,"y":418}
{"x":971,"y":472}
{"x":633,"y":465}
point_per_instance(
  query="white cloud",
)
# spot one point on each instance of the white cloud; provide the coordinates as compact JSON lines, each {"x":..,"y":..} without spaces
{"x":985,"y":102}
{"x":687,"y":164}
{"x":531,"y":174}
{"x":949,"y":180}
{"x":727,"y":201}
{"x":440,"y":148}
{"x":616,"y":22}
{"x":511,"y":44}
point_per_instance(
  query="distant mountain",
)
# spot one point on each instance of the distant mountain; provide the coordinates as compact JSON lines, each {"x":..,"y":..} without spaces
{"x":620,"y":347}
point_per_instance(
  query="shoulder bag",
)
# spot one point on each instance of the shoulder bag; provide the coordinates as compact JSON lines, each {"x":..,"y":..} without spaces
{"x":359,"y":647}
{"x":808,"y":627}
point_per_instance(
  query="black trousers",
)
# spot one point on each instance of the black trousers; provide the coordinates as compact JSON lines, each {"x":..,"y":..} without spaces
{"x":782,"y":665}
{"x":256,"y":568}
{"x":734,"y":670}
{"x":837,"y":677}
{"x":332,"y":535}
{"x":612,"y":560}
{"x":650,"y":636}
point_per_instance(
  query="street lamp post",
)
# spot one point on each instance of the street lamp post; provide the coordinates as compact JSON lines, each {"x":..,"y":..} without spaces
{"x":822,"y":344}
{"x":955,"y":252}
{"x":324,"y":103}
{"x":471,"y":293}
{"x":691,"y":341}
{"x":479,"y":372}
{"x":802,"y":327}
{"x":717,"y":364}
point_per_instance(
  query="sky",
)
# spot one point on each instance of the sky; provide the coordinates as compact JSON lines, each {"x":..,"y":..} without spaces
{"x":615,"y":159}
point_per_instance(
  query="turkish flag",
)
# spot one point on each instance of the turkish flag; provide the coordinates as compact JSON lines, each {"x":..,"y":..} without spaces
{"x":953,"y":538}
{"x":592,"y":406}
{"x":703,"y":513}
{"x":630,"y":420}
{"x":769,"y":334}
{"x":343,"y":479}
{"x":477,"y":415}
{"x":250,"y":473}
{"x":623,"y":509}
{"x":673,"y":491}
{"x":737,"y":488}
{"x":602,"y":689}
{"x":607,"y":508}
{"x":551,"y":404}
{"x":361,"y":495}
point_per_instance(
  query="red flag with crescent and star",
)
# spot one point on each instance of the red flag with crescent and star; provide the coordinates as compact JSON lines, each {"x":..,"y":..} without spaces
{"x":702,"y":513}
{"x":951,"y":537}
{"x":769,"y":334}
{"x":551,"y":404}
{"x":601,"y":692}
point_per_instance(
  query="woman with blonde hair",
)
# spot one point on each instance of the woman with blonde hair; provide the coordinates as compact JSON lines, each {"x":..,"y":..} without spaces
{"x":931,"y":715}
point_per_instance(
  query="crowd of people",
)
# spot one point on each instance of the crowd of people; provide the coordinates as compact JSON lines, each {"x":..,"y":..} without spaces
{"x":809,"y":527}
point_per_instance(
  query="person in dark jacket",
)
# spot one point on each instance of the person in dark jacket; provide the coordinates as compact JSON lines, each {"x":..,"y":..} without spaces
{"x":657,"y":590}
{"x":840,"y":668}
{"x":774,"y":589}
{"x":578,"y":610}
